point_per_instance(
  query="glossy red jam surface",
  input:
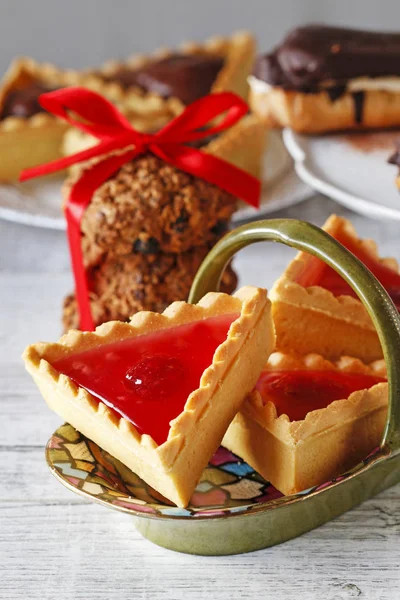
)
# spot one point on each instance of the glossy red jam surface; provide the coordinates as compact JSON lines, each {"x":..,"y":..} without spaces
{"x":296,"y":393}
{"x":148,"y":379}
{"x":318,"y":273}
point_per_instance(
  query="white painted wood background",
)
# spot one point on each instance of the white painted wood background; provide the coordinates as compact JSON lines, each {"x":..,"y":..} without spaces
{"x":55,"y":545}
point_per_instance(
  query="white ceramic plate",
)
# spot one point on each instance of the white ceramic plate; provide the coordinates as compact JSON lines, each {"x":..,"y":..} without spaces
{"x":350,"y":168}
{"x":38,"y":202}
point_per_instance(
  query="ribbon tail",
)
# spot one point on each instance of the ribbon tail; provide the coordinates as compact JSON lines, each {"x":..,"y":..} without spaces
{"x":86,"y":322}
{"x":80,"y":196}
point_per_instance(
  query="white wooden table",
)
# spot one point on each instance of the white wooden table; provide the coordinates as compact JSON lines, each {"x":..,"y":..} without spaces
{"x":55,"y":545}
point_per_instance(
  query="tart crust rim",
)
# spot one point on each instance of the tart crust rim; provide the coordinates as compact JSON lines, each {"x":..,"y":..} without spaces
{"x":344,"y":307}
{"x":235,"y":48}
{"x":249,"y":301}
{"x":25,"y":66}
{"x":313,"y":424}
{"x":297,"y":455}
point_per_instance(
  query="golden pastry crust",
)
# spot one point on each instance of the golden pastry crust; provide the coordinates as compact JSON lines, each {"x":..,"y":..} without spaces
{"x":316,"y":113}
{"x":314,"y":320}
{"x":243,"y":145}
{"x":278,"y":361}
{"x":237,"y":49}
{"x":28,"y":142}
{"x":174,"y":467}
{"x":296,"y":455}
{"x":75,"y":140}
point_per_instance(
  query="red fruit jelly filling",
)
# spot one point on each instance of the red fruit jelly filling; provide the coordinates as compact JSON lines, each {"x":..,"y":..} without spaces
{"x":318,"y":273}
{"x":296,"y":393}
{"x":147,"y":379}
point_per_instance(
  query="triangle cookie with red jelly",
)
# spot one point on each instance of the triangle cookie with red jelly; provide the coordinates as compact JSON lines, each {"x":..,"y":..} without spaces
{"x":158,"y":393}
{"x":317,"y":273}
{"x":315,"y":310}
{"x":147,"y":379}
{"x":297,"y":393}
{"x":309,"y":420}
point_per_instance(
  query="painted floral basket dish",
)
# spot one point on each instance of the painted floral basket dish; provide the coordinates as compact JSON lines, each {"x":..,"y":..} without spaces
{"x":234,"y":509}
{"x":228,"y":484}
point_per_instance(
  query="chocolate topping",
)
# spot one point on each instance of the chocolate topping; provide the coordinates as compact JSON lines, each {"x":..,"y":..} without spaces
{"x":124,"y":76}
{"x":335,"y":92}
{"x":395,"y":158}
{"x":24,"y":102}
{"x":316,"y":54}
{"x":358,"y":99}
{"x":186,"y":76}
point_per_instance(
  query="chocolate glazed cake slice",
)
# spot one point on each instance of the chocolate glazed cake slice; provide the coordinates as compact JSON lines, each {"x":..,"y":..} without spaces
{"x":329,"y":78}
{"x":184,"y":76}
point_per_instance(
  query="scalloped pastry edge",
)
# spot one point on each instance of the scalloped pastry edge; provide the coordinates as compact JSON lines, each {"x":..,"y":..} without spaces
{"x":27,"y":68}
{"x":174,"y":467}
{"x":296,"y":455}
{"x":316,"y":307}
{"x":238,"y":50}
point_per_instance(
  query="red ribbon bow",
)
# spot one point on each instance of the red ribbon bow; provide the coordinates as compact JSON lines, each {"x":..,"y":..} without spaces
{"x":101,"y":119}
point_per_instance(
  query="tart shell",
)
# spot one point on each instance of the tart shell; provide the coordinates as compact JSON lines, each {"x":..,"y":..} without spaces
{"x":314,"y":320}
{"x":296,"y":455}
{"x":174,"y":467}
{"x":238,"y":51}
{"x":28,"y":142}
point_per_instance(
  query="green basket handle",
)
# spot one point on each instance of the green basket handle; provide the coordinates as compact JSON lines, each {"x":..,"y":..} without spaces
{"x":313,"y":240}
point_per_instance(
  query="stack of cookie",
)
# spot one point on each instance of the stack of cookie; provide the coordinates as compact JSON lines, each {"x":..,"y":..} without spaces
{"x":144,"y":235}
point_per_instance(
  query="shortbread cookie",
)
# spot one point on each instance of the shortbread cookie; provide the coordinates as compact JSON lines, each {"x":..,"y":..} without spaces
{"x":309,"y":420}
{"x":158,"y":393}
